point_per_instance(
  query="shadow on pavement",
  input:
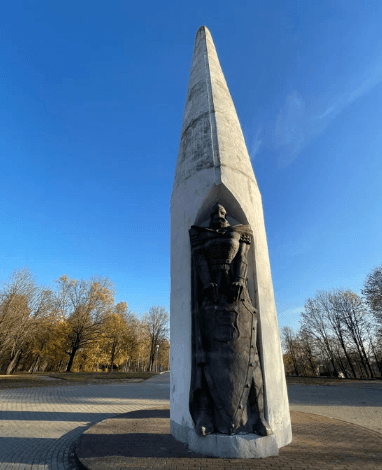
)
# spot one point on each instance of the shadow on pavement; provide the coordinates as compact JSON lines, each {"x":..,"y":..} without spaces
{"x":318,"y":442}
{"x":144,"y":414}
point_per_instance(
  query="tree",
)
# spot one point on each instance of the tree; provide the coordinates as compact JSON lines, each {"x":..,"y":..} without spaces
{"x":314,"y":323}
{"x":372,"y":291}
{"x":375,"y":344}
{"x":156,"y":322}
{"x":308,"y":352}
{"x":353,"y":314}
{"x":76,"y":327}
{"x":14,"y":297}
{"x":140,"y":360}
{"x":164,"y":355}
{"x":23,"y":305}
{"x":330,"y":302}
{"x":119,"y":336}
{"x":54,"y":353}
{"x":44,"y":334}
{"x":84,"y":305}
{"x":300,"y":352}
{"x":291,"y":347}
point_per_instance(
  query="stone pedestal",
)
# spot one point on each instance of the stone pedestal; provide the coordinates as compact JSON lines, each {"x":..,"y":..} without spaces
{"x":246,"y":446}
{"x":214,"y":166}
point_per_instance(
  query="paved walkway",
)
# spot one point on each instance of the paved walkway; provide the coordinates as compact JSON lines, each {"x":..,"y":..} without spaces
{"x":142,"y":440}
{"x":39,"y":426}
{"x":357,"y":403}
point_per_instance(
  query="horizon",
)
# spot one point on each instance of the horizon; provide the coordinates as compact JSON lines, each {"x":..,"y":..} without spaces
{"x":93,"y":102}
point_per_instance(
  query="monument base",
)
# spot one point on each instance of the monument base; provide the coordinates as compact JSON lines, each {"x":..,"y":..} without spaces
{"x":236,"y":446}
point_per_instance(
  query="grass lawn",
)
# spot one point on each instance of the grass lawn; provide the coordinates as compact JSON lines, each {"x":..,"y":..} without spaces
{"x":49,"y":379}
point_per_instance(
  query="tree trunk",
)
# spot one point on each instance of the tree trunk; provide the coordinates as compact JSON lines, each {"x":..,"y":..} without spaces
{"x":361,"y":357}
{"x":293,"y":356}
{"x":367,"y":360}
{"x":342,"y":342}
{"x":112,"y":358}
{"x":379,"y":364}
{"x":350,"y":363}
{"x":151,"y":362}
{"x":71,"y":359}
{"x":35,"y":364}
{"x":14,"y":362}
{"x":331,"y":357}
{"x":342,"y":367}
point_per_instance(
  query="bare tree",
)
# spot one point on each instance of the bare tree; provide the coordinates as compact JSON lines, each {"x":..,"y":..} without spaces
{"x":330,"y":301}
{"x":375,"y":344}
{"x":308,"y":352}
{"x":354,"y":316}
{"x":156,"y":322}
{"x":314,"y":323}
{"x":372,"y":291}
{"x":289,"y":341}
{"x":339,"y":321}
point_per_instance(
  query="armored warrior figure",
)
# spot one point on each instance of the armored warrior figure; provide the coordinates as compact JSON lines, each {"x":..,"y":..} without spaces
{"x":226,"y":393}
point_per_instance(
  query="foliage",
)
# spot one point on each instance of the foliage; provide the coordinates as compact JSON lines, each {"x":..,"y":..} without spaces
{"x":120,"y":338}
{"x":76,"y":327}
{"x":23,"y":308}
{"x":84,"y":304}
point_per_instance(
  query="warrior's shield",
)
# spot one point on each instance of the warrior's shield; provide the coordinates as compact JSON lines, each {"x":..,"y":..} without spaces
{"x":228,"y":337}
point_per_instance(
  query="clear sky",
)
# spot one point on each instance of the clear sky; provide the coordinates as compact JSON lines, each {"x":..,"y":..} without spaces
{"x":92,"y":97}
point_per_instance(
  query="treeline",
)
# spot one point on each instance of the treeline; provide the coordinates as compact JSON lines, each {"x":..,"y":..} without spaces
{"x":76,"y":327}
{"x":340,"y":333}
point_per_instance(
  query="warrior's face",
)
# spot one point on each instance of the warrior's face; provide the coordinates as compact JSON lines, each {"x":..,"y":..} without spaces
{"x":218,"y":217}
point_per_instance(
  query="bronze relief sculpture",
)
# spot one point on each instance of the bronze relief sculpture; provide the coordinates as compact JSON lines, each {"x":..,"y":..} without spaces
{"x":227,"y":394}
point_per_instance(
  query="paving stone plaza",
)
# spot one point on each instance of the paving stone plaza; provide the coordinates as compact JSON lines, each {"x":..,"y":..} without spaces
{"x":40,"y":427}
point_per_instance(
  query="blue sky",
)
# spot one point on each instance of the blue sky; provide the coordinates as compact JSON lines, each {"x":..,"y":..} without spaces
{"x":92,"y":97}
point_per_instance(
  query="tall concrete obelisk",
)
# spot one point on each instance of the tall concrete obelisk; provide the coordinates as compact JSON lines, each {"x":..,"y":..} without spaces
{"x":214,"y":166}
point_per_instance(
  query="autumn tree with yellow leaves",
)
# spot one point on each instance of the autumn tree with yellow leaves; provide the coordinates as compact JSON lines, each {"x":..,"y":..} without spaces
{"x":84,"y":305}
{"x":119,"y":336}
{"x":76,"y":326}
{"x":23,"y":308}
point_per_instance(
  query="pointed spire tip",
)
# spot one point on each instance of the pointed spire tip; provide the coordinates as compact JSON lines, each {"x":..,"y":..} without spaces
{"x":204,"y":29}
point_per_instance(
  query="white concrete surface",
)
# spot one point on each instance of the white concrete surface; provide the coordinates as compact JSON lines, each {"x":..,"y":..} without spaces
{"x":248,"y":446}
{"x":214,"y":166}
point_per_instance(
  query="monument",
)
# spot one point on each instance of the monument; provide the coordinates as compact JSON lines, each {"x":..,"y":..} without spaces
{"x":228,"y":390}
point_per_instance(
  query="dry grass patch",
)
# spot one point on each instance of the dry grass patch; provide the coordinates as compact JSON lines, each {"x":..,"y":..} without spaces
{"x":53,"y":379}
